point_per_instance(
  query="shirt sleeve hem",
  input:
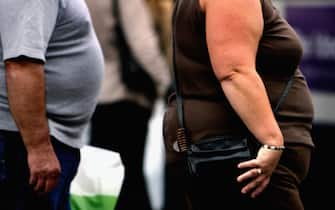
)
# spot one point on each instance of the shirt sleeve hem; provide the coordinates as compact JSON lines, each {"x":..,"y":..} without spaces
{"x":27,"y":52}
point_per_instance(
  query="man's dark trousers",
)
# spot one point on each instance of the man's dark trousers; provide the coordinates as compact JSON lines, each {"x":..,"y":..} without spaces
{"x":15,"y":191}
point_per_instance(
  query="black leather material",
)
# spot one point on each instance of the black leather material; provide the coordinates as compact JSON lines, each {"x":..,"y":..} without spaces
{"x":218,"y":152}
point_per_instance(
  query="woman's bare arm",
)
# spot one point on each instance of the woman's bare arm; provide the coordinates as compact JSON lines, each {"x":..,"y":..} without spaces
{"x":233,"y":30}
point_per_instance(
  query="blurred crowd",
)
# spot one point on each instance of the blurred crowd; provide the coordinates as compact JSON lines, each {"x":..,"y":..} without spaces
{"x":134,"y":35}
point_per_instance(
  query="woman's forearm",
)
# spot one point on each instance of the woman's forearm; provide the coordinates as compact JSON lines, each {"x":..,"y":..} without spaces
{"x":247,"y":95}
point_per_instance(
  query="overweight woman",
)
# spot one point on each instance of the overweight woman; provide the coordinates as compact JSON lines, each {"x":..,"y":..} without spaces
{"x":233,"y":60}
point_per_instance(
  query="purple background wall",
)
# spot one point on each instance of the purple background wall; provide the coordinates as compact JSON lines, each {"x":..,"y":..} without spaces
{"x":316,"y":26}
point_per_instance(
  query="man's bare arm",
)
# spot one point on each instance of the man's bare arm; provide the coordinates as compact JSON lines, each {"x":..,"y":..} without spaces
{"x":27,"y":101}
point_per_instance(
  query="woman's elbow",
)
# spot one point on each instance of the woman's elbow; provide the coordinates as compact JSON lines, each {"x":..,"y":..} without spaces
{"x":230,"y":73}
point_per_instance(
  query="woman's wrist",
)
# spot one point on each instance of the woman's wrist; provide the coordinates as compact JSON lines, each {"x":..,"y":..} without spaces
{"x":274,"y":147}
{"x":274,"y":141}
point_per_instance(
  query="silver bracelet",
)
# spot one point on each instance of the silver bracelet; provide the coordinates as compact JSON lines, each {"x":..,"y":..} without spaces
{"x":272,"y":147}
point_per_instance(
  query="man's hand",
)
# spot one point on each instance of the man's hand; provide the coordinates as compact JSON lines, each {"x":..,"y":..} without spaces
{"x":44,"y":168}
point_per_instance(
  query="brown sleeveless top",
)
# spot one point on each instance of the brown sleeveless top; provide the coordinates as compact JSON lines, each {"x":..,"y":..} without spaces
{"x":207,"y":111}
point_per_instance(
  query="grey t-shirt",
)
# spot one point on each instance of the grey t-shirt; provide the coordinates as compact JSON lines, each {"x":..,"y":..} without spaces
{"x":60,"y":33}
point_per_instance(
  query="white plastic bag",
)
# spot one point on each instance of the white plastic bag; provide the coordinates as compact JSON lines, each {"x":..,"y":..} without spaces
{"x":98,"y":180}
{"x":154,"y":157}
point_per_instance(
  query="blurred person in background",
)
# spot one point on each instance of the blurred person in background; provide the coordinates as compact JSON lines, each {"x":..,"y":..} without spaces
{"x":51,"y":68}
{"x":162,"y":12}
{"x":120,"y":121}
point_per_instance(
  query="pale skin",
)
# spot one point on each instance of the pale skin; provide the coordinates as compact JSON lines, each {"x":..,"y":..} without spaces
{"x":26,"y":95}
{"x":233,"y":30}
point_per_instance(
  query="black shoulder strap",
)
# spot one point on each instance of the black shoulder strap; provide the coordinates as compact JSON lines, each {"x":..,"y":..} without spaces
{"x":284,"y":94}
{"x":181,"y":131}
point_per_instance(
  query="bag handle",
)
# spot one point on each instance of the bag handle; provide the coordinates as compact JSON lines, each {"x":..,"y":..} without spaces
{"x":182,"y":140}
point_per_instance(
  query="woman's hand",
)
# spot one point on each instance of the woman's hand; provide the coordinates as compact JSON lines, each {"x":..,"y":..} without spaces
{"x":260,"y":170}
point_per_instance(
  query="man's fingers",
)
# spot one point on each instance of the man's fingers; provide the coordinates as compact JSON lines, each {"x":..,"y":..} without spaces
{"x":50,"y":184}
{"x":32,"y":180}
{"x":44,"y":182}
{"x":52,"y":180}
{"x":40,"y":184}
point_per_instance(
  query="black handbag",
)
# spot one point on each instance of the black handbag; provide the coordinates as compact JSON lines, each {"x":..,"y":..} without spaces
{"x":133,"y":75}
{"x":223,"y":153}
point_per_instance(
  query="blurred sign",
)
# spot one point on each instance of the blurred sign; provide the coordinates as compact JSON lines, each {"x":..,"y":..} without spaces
{"x":315,"y":26}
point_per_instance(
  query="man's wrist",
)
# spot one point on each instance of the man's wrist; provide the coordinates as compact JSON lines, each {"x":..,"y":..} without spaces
{"x":36,"y":141}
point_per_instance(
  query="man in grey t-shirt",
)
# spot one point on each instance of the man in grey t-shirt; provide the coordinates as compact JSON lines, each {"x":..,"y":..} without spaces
{"x":51,"y":67}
